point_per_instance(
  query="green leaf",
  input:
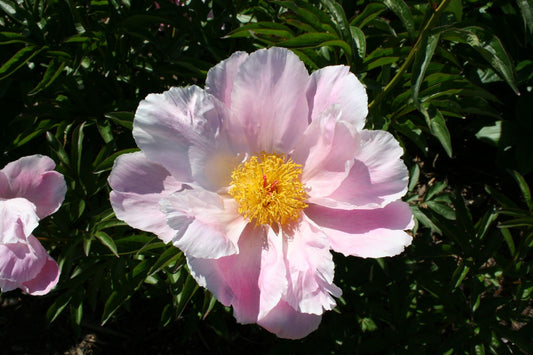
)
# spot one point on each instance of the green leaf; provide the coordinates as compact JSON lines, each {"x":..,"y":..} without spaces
{"x":167,"y":315}
{"x":107,"y":241}
{"x":12,"y":37}
{"x":526,"y":9}
{"x":517,"y":222}
{"x":414,"y":175}
{"x":55,"y":68}
{"x":57,"y":148}
{"x":422,"y":59}
{"x":15,"y":11}
{"x":508,"y":240}
{"x":434,"y":189}
{"x":113,"y":303}
{"x":18,"y":60}
{"x":437,"y":125}
{"x":107,"y":163}
{"x":367,"y":325}
{"x":524,"y":188}
{"x":413,"y":132}
{"x":360,"y":41}
{"x":343,"y":26}
{"x":263,"y":28}
{"x":122,"y":118}
{"x":489,"y":47}
{"x":491,"y":134}
{"x":316,"y":39}
{"x":459,"y":275}
{"x":442,"y":209}
{"x":184,"y":297}
{"x":77,"y":148}
{"x":170,"y":255}
{"x":307,"y":17}
{"x":402,"y":10}
{"x":58,"y":306}
{"x":370,"y":12}
{"x":76,"y":307}
{"x":87,"y":245}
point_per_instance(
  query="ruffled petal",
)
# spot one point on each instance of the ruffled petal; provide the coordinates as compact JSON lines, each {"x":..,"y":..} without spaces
{"x":48,"y":275}
{"x":372,"y":233}
{"x":268,"y":100}
{"x":273,"y":278}
{"x":326,"y":152}
{"x":377,"y":177}
{"x":310,"y":270}
{"x":286,"y":322}
{"x":205,"y":225}
{"x":21,"y":262}
{"x":17,"y":220}
{"x":335,"y":85}
{"x":138,"y":185}
{"x":178,"y":129}
{"x":233,"y":279}
{"x":33,"y":178}
{"x":219,"y":82}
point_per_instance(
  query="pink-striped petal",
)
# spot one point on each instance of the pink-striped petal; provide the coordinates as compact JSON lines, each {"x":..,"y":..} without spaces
{"x":371,"y":233}
{"x":178,"y":130}
{"x":377,"y":177}
{"x":233,"y":279}
{"x":310,"y":270}
{"x":268,"y":100}
{"x":18,"y":219}
{"x":220,"y":78}
{"x":45,"y":280}
{"x":21,"y":262}
{"x":326,"y":152}
{"x":335,"y":85}
{"x":286,"y":322}
{"x":138,"y":185}
{"x":205,"y":225}
{"x":33,"y":178}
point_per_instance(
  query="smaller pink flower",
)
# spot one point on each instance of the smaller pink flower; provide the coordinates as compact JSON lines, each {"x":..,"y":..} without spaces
{"x":29,"y":190}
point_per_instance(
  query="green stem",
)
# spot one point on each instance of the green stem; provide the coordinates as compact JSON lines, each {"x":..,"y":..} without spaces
{"x":431,"y":22}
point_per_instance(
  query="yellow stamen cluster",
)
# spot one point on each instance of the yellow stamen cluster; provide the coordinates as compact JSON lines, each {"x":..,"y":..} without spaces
{"x":268,"y":189}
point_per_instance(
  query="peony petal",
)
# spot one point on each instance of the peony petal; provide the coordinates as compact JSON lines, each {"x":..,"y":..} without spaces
{"x":45,"y":281}
{"x":219,"y":82}
{"x":272,"y":280}
{"x":310,"y":270}
{"x":174,"y":127}
{"x":138,"y":185}
{"x":377,"y":177}
{"x":326,"y":152}
{"x":21,"y":262}
{"x":268,"y":100}
{"x":205,"y":225}
{"x":335,"y":85}
{"x":17,"y":220}
{"x":286,"y":322}
{"x":233,"y":279}
{"x":33,"y":178}
{"x":372,"y":233}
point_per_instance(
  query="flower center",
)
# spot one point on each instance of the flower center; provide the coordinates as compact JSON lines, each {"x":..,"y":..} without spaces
{"x":268,"y":189}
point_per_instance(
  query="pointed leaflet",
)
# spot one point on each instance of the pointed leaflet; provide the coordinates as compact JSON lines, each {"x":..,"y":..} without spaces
{"x":422,"y":59}
{"x":489,"y":47}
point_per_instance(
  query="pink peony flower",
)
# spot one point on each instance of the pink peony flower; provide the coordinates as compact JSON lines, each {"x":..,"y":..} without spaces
{"x":258,"y":176}
{"x":29,"y":190}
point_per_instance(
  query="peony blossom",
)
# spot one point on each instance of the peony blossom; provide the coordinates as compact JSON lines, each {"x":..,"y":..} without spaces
{"x":29,"y":190}
{"x":258,"y":176}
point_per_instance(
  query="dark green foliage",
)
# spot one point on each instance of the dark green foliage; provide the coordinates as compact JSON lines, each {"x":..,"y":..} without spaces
{"x":451,"y":79}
